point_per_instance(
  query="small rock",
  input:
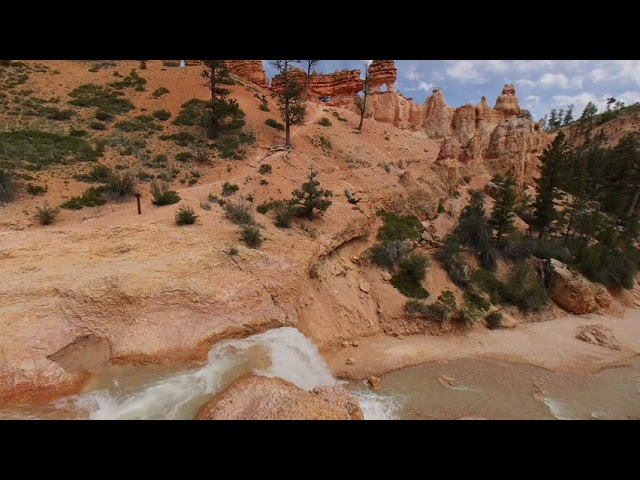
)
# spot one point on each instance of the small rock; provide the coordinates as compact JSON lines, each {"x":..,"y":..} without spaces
{"x":386,"y":276}
{"x":345,"y":344}
{"x":424,"y":236}
{"x":364,"y":286}
{"x":355,"y":343}
{"x":350,"y":361}
{"x":400,"y":337}
{"x":375,"y":383}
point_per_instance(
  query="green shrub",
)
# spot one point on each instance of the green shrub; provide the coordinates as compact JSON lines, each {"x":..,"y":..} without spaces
{"x":274,"y":124}
{"x":264,"y":107}
{"x":133,"y":80}
{"x":143,"y":64}
{"x":398,"y":227}
{"x":184,"y":157}
{"x":7,"y":186}
{"x":104,"y":116}
{"x":46,"y":214}
{"x":440,"y":207}
{"x":162,"y":115}
{"x":35,"y":150}
{"x":183,"y":138}
{"x":205,"y":205}
{"x":162,"y":195}
{"x":92,"y":197}
{"x":98,"y":174}
{"x":325,"y":122}
{"x":170,"y":63}
{"x":264,"y":207}
{"x":185,"y":216}
{"x":251,"y":236}
{"x":97,"y":126}
{"x":413,"y":270}
{"x":611,"y":267}
{"x":239,"y":213}
{"x":141,"y":123}
{"x":264,"y":182}
{"x":247,"y":138}
{"x":233,"y":251}
{"x":494,"y":320}
{"x":386,"y":254}
{"x":476,"y":301}
{"x":78,"y":133}
{"x":120,"y":186}
{"x":322,"y":142}
{"x":193,"y":113}
{"x":160,"y":92}
{"x":160,"y":160}
{"x":265,"y":169}
{"x":106,"y":100}
{"x":144,"y":176}
{"x":283,"y":214}
{"x":214,"y":199}
{"x":53,"y":113}
{"x":449,"y":256}
{"x":229,"y":189}
{"x":36,"y":190}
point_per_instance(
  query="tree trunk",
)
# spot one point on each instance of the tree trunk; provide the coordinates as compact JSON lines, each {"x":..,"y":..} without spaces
{"x":287,"y":124}
{"x":306,"y":86}
{"x":364,"y":109}
{"x":634,"y":201}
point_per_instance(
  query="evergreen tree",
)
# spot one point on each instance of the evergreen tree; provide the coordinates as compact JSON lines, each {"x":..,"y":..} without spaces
{"x":292,"y":108}
{"x":224,"y":114}
{"x":553,"y":119}
{"x":553,"y":160}
{"x":503,"y":215}
{"x":589,"y":111}
{"x":568,"y":118}
{"x":311,"y":197}
{"x":473,"y":230}
{"x":560,"y":119}
{"x":310,"y":65}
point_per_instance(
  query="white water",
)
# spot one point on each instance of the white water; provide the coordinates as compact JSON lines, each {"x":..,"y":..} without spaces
{"x":284,"y":352}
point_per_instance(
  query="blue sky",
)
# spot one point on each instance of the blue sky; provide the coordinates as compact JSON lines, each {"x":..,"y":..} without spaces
{"x":540,"y":84}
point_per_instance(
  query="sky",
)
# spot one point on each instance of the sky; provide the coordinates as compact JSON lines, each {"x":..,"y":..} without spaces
{"x":540,"y":84}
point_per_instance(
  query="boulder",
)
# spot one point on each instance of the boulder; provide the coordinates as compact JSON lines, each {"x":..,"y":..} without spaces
{"x":572,"y":291}
{"x":262,"y":398}
{"x":598,"y":334}
{"x":375,"y":383}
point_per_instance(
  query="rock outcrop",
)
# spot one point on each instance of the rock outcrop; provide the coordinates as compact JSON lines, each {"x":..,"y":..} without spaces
{"x":599,"y":335}
{"x":572,"y":291}
{"x":342,"y":86}
{"x":261,"y":398}
{"x":383,"y":72}
{"x":507,"y":103}
{"x":251,"y":70}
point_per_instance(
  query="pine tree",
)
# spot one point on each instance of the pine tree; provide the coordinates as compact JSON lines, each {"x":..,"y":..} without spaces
{"x":292,"y":108}
{"x":473,"y":230}
{"x":589,"y":111}
{"x":503,"y":215}
{"x":560,"y":119}
{"x":224,"y":114}
{"x":568,"y":118}
{"x":553,"y":160}
{"x":310,"y":65}
{"x":311,"y":197}
{"x":553,"y":119}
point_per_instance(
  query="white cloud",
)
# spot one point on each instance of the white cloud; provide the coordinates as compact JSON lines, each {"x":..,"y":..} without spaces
{"x":413,"y":74}
{"x":464,"y":71}
{"x":553,"y":80}
{"x":628,"y":97}
{"x":617,"y":70}
{"x":532,"y":65}
{"x":532,"y":101}
{"x":498,"y":66}
{"x":427,"y":87}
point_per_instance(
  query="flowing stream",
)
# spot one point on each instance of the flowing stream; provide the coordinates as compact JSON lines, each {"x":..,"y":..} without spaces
{"x":466,"y":388}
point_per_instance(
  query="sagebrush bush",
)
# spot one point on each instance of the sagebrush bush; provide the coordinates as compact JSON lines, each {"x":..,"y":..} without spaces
{"x":184,"y":157}
{"x":157,"y":93}
{"x":46,"y":214}
{"x":36,"y":190}
{"x":92,"y":197}
{"x":264,"y":107}
{"x":162,"y":195}
{"x":240,"y":213}
{"x":97,"y":126}
{"x":264,"y":207}
{"x":251,"y":236}
{"x":120,"y":186}
{"x":283,"y":214}
{"x":98,"y":174}
{"x":229,"y":189}
{"x":325,"y":122}
{"x":162,"y":115}
{"x":186,"y":216}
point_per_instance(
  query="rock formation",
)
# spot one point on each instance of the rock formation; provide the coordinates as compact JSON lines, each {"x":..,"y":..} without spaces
{"x":507,"y":103}
{"x":599,"y":335}
{"x":572,"y":291}
{"x":383,"y":72}
{"x":342,"y":86}
{"x":261,"y":398}
{"x":252,"y":70}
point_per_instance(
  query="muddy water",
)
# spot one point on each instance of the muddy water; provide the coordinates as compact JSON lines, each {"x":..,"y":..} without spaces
{"x":499,"y":390}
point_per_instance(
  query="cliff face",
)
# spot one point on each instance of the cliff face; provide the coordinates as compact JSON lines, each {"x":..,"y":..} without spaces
{"x":252,"y":70}
{"x":383,"y":72}
{"x":340,"y":86}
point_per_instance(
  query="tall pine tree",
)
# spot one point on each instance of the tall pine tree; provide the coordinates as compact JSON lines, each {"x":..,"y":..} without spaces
{"x":224,"y":114}
{"x":292,"y":107}
{"x":503,"y":215}
{"x":553,"y":160}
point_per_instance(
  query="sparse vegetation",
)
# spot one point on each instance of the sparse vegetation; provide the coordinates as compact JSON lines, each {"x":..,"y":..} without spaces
{"x":494,"y":320}
{"x":322,"y":142}
{"x":182,"y":139}
{"x":92,"y":197}
{"x":186,"y":216}
{"x":184,"y":157}
{"x":310,"y":197}
{"x":133,"y":80}
{"x":162,"y":195}
{"x":229,"y":189}
{"x":386,"y":255}
{"x":239,"y":212}
{"x":162,"y":115}
{"x":98,"y":174}
{"x":103,"y":98}
{"x":141,"y":123}
{"x":35,"y":190}
{"x":265,"y":169}
{"x":251,"y":236}
{"x":160,"y":92}
{"x":7,"y":186}
{"x":97,"y":126}
{"x":205,"y":206}
{"x":399,"y":227}
{"x":120,"y":186}
{"x":412,"y":271}
{"x":325,"y":122}
{"x":46,"y":214}
{"x":273,"y":123}
{"x":264,"y":106}
{"x":283,"y":214}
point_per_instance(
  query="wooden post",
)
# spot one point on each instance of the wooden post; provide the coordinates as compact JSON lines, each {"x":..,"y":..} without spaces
{"x":138,"y":195}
